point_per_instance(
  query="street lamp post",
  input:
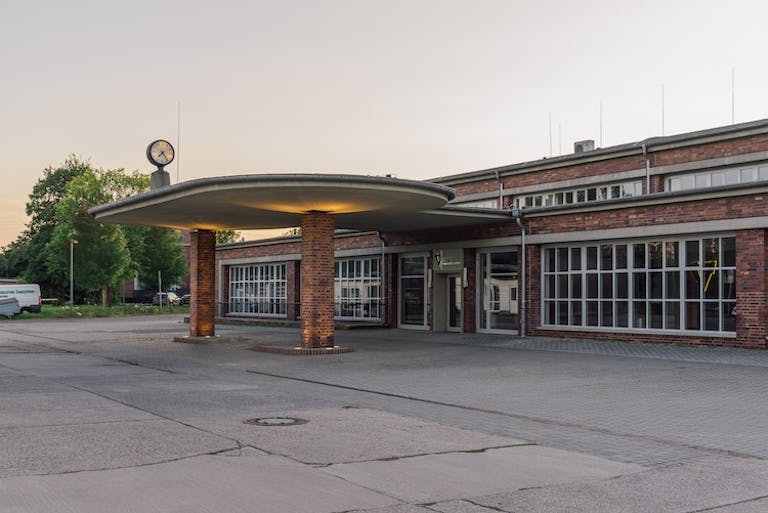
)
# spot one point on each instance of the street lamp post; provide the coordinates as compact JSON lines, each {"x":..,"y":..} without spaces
{"x":72,"y":243}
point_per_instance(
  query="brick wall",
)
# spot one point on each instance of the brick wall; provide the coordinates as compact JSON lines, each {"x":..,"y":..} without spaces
{"x":224,"y":288}
{"x":202,"y":309}
{"x":691,"y":153}
{"x":317,"y":246}
{"x":292,"y":289}
{"x":752,"y":285}
{"x":460,"y":233}
{"x":533,"y":288}
{"x":710,"y":151}
{"x":469,"y":308}
{"x":751,"y":291}
{"x":392,"y":287}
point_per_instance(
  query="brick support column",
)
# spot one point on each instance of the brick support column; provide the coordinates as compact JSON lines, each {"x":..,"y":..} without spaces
{"x":469,"y":310}
{"x":751,"y":288}
{"x":202,"y":284}
{"x":533,"y":288}
{"x":317,"y":248}
{"x":393,"y":282}
{"x":292,"y":276}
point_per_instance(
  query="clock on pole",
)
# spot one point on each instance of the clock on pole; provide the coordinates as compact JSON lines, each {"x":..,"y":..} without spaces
{"x":160,"y":153}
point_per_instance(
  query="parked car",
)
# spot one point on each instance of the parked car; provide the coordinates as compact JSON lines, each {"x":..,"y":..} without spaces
{"x":184,"y":299}
{"x":166,"y":298}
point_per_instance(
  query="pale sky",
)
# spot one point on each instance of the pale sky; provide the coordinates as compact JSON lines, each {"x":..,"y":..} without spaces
{"x":418,"y":88}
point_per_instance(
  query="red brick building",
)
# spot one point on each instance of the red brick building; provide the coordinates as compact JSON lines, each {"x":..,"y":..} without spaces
{"x":662,"y":240}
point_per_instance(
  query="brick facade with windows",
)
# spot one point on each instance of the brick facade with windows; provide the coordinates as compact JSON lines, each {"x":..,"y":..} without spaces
{"x":737,"y":211}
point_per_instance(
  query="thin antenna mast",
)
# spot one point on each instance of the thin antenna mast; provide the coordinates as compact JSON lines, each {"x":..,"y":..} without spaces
{"x":178,"y":139}
{"x":662,"y":109}
{"x":601,"y":122}
{"x":560,"y":139}
{"x":733,"y":95}
{"x":550,"y":135}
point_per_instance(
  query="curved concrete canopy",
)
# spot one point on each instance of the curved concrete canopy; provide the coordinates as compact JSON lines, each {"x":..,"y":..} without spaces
{"x":276,"y":201}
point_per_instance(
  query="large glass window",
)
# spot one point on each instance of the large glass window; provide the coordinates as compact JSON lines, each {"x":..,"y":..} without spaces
{"x":498,"y":289}
{"x":357,"y":288}
{"x":718,"y":177}
{"x":257,"y":289}
{"x":571,"y":196}
{"x":413,"y":290}
{"x":486,"y":203}
{"x":680,"y":284}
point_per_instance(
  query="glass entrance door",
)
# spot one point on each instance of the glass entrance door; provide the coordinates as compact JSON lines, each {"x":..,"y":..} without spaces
{"x":498,"y":290}
{"x":454,"y":302}
{"x":413,"y":291}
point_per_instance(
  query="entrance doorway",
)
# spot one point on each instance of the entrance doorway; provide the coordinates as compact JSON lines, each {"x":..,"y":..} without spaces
{"x":454,"y":301}
{"x":498,"y":287}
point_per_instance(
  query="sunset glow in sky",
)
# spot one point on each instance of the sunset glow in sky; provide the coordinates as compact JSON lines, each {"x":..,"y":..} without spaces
{"x":417,"y":88}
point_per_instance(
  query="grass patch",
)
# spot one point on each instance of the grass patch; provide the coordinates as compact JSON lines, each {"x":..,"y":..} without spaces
{"x":90,"y":311}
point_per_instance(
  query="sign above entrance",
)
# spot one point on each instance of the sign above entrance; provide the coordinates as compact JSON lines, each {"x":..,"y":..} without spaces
{"x":448,"y":260}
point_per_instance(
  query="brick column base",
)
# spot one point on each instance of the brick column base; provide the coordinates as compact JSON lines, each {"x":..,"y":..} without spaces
{"x":202,"y":284}
{"x":317,"y":248}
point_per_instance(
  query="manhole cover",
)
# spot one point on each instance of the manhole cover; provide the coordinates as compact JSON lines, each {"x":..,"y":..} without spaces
{"x":275,"y":421}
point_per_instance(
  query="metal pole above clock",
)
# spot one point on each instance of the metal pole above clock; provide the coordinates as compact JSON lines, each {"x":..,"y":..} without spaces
{"x":160,"y":153}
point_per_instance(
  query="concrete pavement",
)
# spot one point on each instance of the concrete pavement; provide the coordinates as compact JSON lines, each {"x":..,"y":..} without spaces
{"x":109,"y":415}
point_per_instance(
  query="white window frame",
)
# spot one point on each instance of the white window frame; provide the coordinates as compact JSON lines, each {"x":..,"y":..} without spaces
{"x":352,"y":289}
{"x":576,"y":195}
{"x":258,"y":290}
{"x":550,"y":281}
{"x":717,"y":177}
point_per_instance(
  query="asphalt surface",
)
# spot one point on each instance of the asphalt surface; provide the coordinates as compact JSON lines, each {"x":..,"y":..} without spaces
{"x":111,"y":415}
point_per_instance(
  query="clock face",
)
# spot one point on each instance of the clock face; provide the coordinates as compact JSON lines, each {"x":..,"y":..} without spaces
{"x":160,"y":153}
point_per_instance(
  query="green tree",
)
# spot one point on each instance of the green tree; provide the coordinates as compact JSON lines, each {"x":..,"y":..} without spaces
{"x":224,"y":236}
{"x":29,"y":255}
{"x":14,"y":257}
{"x":159,"y":249}
{"x":102,"y":259}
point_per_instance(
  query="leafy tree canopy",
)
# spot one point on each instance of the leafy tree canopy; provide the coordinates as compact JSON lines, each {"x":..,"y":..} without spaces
{"x":224,"y":236}
{"x":102,"y":257}
{"x":104,"y":254}
{"x":159,"y":249}
{"x":49,"y":191}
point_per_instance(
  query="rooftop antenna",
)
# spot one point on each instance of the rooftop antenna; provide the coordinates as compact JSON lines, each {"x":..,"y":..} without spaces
{"x":178,"y":138}
{"x":662,"y":109}
{"x":601,"y":122}
{"x":733,"y":95}
{"x":550,"y":135}
{"x":559,"y":139}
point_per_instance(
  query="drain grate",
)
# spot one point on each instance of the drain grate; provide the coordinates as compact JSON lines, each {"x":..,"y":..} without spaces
{"x":275,"y":421}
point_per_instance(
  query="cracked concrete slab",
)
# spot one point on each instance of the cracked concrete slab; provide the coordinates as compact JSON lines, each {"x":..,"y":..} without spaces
{"x":63,"y":407}
{"x":702,"y":484}
{"x":77,"y":447}
{"x":751,"y":506}
{"x":340,"y":435}
{"x":461,"y":506}
{"x":400,"y":508}
{"x":208,"y":484}
{"x":458,"y":475}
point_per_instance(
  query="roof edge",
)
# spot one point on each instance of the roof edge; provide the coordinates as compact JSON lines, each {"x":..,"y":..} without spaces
{"x":627,"y":149}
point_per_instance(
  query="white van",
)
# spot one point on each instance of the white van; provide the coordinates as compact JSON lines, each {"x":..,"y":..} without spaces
{"x":28,"y":295}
